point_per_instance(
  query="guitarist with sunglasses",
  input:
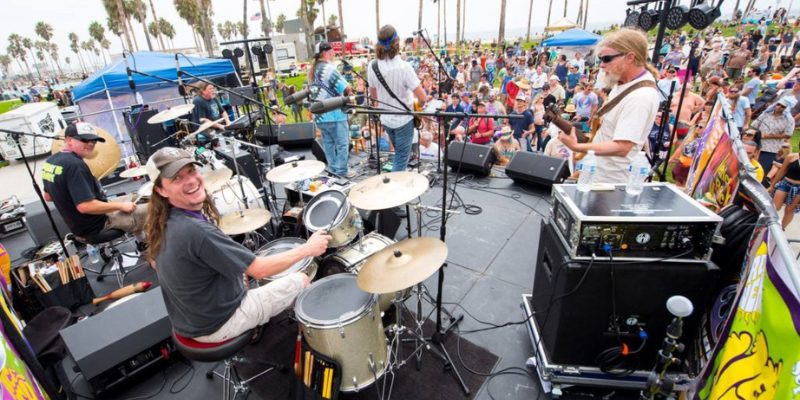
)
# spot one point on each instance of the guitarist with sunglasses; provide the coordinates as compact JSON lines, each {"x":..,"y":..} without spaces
{"x":621,"y":126}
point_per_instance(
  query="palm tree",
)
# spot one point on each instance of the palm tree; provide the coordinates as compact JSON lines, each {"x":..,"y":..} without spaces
{"x":463,"y":18}
{"x":308,"y":14}
{"x":17,"y":50}
{"x":280,"y":22}
{"x":502,"y":32}
{"x":105,"y":44}
{"x":98,"y":33}
{"x":68,"y":61}
{"x":115,"y":10}
{"x":585,"y":12}
{"x":45,"y":31}
{"x":444,"y":21}
{"x":438,"y":22}
{"x":27,"y":43}
{"x":139,"y":13}
{"x":566,"y":5}
{"x":73,"y":45}
{"x":5,"y":62}
{"x":458,"y":25}
{"x":54,"y":55}
{"x":130,"y":8}
{"x":167,"y":30}
{"x":419,"y":18}
{"x":341,"y":20}
{"x":377,"y":16}
{"x":242,"y":29}
{"x":152,"y":29}
{"x":549,"y":9}
{"x":580,"y":14}
{"x":530,"y":13}
{"x":187,"y":9}
{"x":206,"y":28}
{"x":155,"y":21}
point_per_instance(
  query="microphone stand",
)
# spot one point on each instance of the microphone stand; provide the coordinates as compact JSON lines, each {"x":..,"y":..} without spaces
{"x":440,"y":336}
{"x":370,"y":122}
{"x":16,"y":136}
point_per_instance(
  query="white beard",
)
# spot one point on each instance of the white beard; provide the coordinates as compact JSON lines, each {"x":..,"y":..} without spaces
{"x":606,"y":79}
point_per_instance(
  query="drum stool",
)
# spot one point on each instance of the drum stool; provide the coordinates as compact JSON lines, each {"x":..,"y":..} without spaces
{"x":107,"y":242}
{"x":226,"y":352}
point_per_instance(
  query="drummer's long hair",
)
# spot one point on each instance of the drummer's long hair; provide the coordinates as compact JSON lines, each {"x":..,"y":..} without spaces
{"x":157,"y":214}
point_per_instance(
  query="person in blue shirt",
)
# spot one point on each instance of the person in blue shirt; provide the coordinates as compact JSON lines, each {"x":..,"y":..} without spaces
{"x":573,"y":77}
{"x":332,"y":124}
{"x":753,"y":86}
{"x":455,"y":107}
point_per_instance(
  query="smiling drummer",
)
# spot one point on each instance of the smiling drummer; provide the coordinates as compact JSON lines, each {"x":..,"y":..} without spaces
{"x":200,"y":268}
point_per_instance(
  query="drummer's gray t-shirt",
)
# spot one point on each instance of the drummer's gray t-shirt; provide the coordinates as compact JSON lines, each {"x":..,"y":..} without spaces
{"x":201,"y":274}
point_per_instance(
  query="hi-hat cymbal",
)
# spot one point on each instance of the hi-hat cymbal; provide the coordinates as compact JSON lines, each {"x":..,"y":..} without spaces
{"x":387,"y":190}
{"x":215,"y":179}
{"x":241,"y":222}
{"x":295,"y":171}
{"x":170,"y":114}
{"x":133,"y":172}
{"x":105,"y":157}
{"x":403,"y":264}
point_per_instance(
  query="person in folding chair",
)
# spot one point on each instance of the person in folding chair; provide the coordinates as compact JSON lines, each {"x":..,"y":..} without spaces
{"x":201,"y":269}
{"x":78,"y":196}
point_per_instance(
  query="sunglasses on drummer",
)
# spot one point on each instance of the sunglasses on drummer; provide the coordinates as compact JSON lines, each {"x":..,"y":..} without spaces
{"x":610,"y":57}
{"x":88,"y":140}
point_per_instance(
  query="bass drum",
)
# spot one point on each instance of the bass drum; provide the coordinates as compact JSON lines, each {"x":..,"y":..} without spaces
{"x":231,"y":198}
{"x":351,"y":257}
{"x":307,"y":265}
{"x":321,"y":213}
{"x":343,"y":322}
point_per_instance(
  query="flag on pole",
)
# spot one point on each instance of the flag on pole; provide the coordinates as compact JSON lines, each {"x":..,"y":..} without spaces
{"x":256,"y":17}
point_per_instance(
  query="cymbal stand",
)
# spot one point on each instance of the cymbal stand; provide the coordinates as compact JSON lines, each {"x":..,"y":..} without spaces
{"x":271,"y":203}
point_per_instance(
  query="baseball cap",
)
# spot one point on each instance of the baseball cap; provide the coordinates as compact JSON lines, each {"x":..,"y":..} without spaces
{"x":521,"y":96}
{"x":787,"y":101}
{"x":168,"y":161}
{"x":554,"y":78}
{"x":322,"y":47}
{"x":82,"y":131}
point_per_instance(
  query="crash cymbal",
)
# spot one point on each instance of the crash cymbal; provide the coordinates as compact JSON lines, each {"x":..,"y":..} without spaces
{"x":295,"y":171}
{"x":170,"y":114}
{"x":205,"y":126}
{"x":133,"y":172}
{"x":215,"y":179}
{"x":240,"y":222}
{"x":387,"y":190}
{"x":403,"y":264}
{"x":105,"y":157}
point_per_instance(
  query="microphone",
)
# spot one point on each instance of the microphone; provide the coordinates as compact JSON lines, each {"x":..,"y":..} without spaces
{"x":131,"y":83}
{"x":181,"y":89}
{"x":296,"y":97}
{"x":418,"y":32}
{"x":334,"y":103}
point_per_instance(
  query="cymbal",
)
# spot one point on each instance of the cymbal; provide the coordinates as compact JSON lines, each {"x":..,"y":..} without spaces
{"x":387,"y":190}
{"x":170,"y":114}
{"x":205,"y":126}
{"x":403,"y":264}
{"x":105,"y":157}
{"x":240,"y":222}
{"x":215,"y":179}
{"x":295,"y":171}
{"x":133,"y":172}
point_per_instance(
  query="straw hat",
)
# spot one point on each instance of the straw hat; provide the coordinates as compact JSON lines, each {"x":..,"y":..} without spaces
{"x":523,"y":84}
{"x":570,"y":108}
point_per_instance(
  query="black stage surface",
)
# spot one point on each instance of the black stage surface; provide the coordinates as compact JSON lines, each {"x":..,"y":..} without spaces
{"x":492,"y":243}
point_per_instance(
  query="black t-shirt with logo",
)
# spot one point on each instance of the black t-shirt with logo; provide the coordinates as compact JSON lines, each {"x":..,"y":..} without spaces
{"x":69,"y":182}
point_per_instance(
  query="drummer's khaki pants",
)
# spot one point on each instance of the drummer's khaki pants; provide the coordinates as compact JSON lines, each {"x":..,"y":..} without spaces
{"x":258,"y":306}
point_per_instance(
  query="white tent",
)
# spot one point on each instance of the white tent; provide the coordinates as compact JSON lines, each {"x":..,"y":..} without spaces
{"x":561,"y":25}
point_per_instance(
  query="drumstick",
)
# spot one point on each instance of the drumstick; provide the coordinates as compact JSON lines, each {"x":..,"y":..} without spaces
{"x":298,"y":349}
{"x":123,"y":292}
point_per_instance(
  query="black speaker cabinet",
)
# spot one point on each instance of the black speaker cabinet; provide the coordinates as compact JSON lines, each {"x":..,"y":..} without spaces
{"x":476,"y":158}
{"x":318,"y":150}
{"x":246,"y":161}
{"x":144,"y":135}
{"x":582,"y":309}
{"x":537,"y":168}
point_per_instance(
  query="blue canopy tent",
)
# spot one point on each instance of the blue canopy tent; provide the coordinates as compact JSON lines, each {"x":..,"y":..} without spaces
{"x":572,"y":38}
{"x":104,"y":95}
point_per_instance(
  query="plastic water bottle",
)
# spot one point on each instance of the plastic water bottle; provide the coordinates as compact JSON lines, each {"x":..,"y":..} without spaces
{"x":588,"y":167}
{"x":94,"y":255}
{"x":638,"y":171}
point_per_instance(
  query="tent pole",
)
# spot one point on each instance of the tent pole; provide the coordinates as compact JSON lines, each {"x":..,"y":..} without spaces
{"x":116,"y":122}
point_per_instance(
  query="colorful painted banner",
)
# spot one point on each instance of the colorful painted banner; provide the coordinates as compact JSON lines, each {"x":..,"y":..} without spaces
{"x":16,"y":380}
{"x":758,"y":356}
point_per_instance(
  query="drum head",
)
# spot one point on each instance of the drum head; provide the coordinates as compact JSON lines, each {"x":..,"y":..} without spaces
{"x":321,"y":211}
{"x":281,"y":245}
{"x":333,"y":300}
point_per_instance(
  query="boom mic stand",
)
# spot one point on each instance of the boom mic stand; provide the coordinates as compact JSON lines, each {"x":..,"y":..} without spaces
{"x":440,"y":336}
{"x":16,"y":136}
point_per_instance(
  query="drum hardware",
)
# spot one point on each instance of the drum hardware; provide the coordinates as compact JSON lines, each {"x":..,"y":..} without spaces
{"x":270,"y":196}
{"x":244,"y":221}
{"x":295,"y":171}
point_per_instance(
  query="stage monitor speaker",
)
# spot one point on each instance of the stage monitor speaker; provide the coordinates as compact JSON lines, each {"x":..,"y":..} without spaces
{"x":110,"y":347}
{"x":288,"y":135}
{"x":471,"y":157}
{"x":318,"y":150}
{"x":144,"y":135}
{"x":583,"y":308}
{"x":537,"y":168}
{"x":247,"y":163}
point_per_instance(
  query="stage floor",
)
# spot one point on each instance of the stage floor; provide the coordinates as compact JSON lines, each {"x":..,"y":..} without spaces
{"x":492,"y":243}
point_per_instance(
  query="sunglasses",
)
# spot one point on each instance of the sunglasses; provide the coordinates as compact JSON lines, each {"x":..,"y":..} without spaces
{"x":608,"y":58}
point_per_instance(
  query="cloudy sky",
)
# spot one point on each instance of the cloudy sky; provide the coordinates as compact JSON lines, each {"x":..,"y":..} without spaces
{"x":482,"y":16}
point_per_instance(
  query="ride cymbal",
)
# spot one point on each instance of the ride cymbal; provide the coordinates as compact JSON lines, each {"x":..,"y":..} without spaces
{"x":241,"y":222}
{"x":170,"y":114}
{"x":403,"y":264}
{"x":387,"y":190}
{"x":295,"y":171}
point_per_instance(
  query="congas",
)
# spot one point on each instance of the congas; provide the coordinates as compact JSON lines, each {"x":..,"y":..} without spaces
{"x":351,"y":257}
{"x":343,"y":322}
{"x":326,"y":210}
{"x":307,"y":265}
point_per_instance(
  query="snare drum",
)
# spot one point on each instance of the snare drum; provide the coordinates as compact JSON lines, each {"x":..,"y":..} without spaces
{"x":351,"y":257}
{"x":321,"y":211}
{"x":307,"y":265}
{"x":231,"y":198}
{"x":343,"y":322}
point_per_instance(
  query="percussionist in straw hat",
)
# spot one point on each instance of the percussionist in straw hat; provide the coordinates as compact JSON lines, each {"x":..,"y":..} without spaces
{"x":200,"y":268}
{"x":76,"y":193}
